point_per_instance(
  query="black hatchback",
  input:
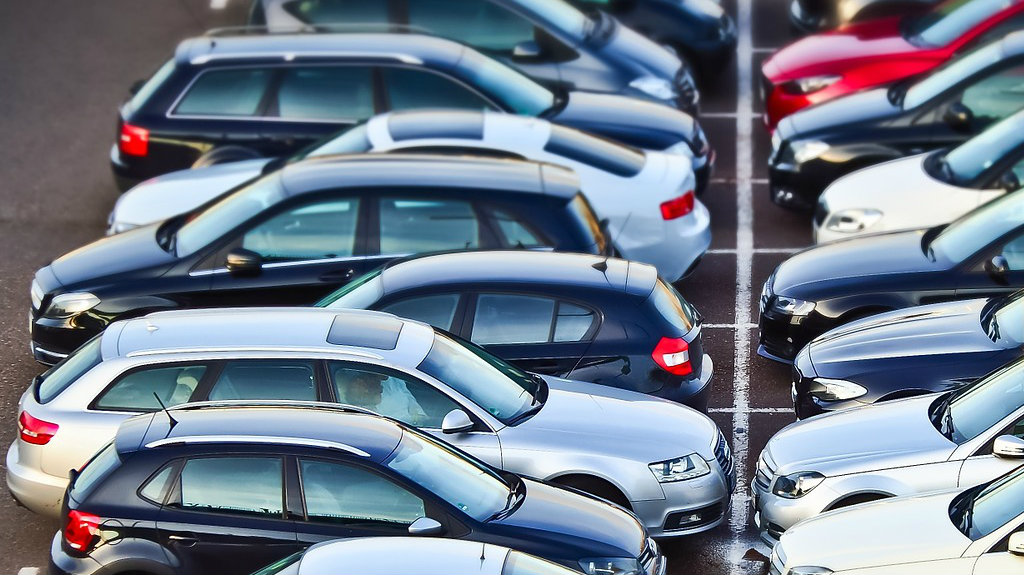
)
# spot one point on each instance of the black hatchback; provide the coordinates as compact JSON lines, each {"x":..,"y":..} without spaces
{"x":296,"y":234}
{"x":589,"y":318}
{"x":227,"y":489}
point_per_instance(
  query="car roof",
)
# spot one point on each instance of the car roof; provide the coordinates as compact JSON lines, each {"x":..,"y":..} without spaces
{"x":359,"y":333}
{"x":403,"y":556}
{"x":426,"y":170}
{"x":521,"y":266}
{"x":407,"y":48}
{"x":319,"y":426}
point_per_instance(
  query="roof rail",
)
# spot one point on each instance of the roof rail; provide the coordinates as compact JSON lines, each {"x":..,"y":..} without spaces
{"x":333,"y":28}
{"x":257,"y":439}
{"x":321,"y":405}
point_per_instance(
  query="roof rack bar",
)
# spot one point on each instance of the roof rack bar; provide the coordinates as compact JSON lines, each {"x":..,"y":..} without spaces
{"x":256,"y":439}
{"x":220,"y":403}
{"x":320,"y":28}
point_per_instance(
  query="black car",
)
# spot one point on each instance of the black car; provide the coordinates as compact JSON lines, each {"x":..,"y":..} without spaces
{"x":241,"y":97}
{"x":818,"y":15}
{"x":548,"y":40}
{"x":588,"y":318}
{"x":817,"y":145}
{"x":701,"y":30}
{"x":913,"y":351}
{"x":227,"y":490}
{"x":978,"y":255}
{"x":296,"y":234}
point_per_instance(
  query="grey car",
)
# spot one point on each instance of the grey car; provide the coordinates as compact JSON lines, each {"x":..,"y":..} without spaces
{"x":667,"y":463}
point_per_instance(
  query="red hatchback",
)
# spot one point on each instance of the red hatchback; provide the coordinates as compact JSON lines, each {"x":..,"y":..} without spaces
{"x":869,"y":54}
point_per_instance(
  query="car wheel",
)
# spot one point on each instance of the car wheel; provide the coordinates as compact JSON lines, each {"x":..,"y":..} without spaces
{"x":225,"y":154}
{"x":595,"y":486}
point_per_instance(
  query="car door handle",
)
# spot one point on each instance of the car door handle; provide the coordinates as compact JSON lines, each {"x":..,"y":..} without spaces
{"x":338,"y":275}
{"x":183,"y":540}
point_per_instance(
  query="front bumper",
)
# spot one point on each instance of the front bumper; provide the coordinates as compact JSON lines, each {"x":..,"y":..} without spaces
{"x":40,"y":492}
{"x":798,"y":186}
{"x":781,"y":336}
{"x":689,"y":507}
{"x":773,"y":515}
{"x":805,"y":404}
{"x":53,"y":339}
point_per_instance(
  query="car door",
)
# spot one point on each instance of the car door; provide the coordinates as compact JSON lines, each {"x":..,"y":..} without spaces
{"x":976,"y":278}
{"x":272,"y":379}
{"x":306,"y":247}
{"x":226,"y":514}
{"x":997,"y":559}
{"x":982,"y":466}
{"x":309,"y":102}
{"x":990,"y":97}
{"x":535,"y":332}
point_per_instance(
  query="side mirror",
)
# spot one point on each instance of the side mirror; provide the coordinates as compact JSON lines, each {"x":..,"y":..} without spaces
{"x":1016,"y":544}
{"x":1008,"y":182}
{"x":997,"y":268}
{"x":425,"y":526}
{"x":527,"y":49}
{"x":1009,"y":447}
{"x":456,"y":422}
{"x":136,"y":86}
{"x":243,"y":262}
{"x":959,"y":117}
{"x":72,"y":476}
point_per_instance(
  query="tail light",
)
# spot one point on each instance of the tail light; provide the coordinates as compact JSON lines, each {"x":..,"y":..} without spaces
{"x":81,"y":531}
{"x":134,"y":140}
{"x":35,"y":431}
{"x":677,"y":207}
{"x":673,"y":355}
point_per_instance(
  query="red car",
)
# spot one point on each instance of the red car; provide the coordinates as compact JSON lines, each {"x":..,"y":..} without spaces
{"x":877,"y":52}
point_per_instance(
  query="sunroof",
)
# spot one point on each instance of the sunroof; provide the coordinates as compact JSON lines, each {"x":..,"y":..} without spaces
{"x":365,"y":330}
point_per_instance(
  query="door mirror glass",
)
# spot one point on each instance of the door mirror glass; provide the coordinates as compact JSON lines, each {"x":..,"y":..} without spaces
{"x":1016,"y":544}
{"x":456,"y":422}
{"x":997,"y":268}
{"x":243,"y":262}
{"x":527,"y":49}
{"x":959,"y":117}
{"x":1008,"y":182}
{"x":1009,"y":447}
{"x":425,"y":526}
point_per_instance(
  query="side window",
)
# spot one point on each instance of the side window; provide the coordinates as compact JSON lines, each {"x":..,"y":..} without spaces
{"x":390,"y":393}
{"x":1013,"y":251}
{"x":338,"y":11}
{"x":213,"y":484}
{"x":156,"y":488}
{"x":413,"y":89}
{"x":326,"y":93}
{"x":416,"y":226}
{"x":572,"y":322}
{"x":520,"y":319}
{"x":348,"y":495}
{"x":436,"y":310}
{"x":993,"y":98}
{"x":478,"y":23}
{"x":226,"y":93}
{"x":321,"y":230}
{"x":266,"y":379}
{"x":515,"y":232}
{"x":135,"y":391}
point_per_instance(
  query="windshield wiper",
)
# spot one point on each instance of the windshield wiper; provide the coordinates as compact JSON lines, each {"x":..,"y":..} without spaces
{"x":526,"y":413}
{"x":993,"y":328}
{"x":515,"y":497}
{"x":940,"y":414}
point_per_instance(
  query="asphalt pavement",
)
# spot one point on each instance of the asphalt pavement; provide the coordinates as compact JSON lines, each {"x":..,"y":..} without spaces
{"x":69,"y":63}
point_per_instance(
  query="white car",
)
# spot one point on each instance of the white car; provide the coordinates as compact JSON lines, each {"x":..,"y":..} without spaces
{"x":924,"y":190}
{"x":647,"y":197}
{"x":974,"y":531}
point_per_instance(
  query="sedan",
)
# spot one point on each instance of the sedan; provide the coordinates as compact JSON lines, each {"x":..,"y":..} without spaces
{"x":906,"y":447}
{"x":924,"y":190}
{"x":818,"y":289}
{"x":878,"y":52}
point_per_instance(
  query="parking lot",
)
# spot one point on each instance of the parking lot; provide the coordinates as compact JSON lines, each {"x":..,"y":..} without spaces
{"x":69,"y":63}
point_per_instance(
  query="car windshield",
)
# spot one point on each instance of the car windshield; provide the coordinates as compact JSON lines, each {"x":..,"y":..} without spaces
{"x":287,"y":566}
{"x":518,"y":93}
{"x":950,"y":74}
{"x":969,"y":160}
{"x":966,"y":236}
{"x":976,"y":408}
{"x":505,"y":391}
{"x":560,"y":15}
{"x":226,"y":214}
{"x":467,"y":484}
{"x":980,"y":511}
{"x":359,"y":293}
{"x":950,"y":20}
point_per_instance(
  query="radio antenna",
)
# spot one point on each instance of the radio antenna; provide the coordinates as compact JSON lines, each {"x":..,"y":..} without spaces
{"x":167,"y":413}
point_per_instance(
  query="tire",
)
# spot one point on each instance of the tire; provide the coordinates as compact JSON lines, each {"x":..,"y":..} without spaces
{"x":224,"y":155}
{"x":595,"y":486}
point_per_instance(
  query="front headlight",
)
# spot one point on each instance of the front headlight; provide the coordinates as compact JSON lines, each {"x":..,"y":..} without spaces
{"x":611,"y":566}
{"x":809,"y":570}
{"x":827,"y":389}
{"x":853,"y":220}
{"x":792,"y":305}
{"x":71,"y":304}
{"x":796,"y":485}
{"x":810,"y":84}
{"x":680,"y":469}
{"x":659,"y":88}
{"x":36,"y":294}
{"x":808,"y":150}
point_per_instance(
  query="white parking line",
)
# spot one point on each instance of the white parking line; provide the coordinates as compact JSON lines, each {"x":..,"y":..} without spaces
{"x":750,"y":325}
{"x":765,"y":49}
{"x":717,"y":115}
{"x":29,"y":571}
{"x":787,"y":410}
{"x":757,"y":251}
{"x":218,"y":4}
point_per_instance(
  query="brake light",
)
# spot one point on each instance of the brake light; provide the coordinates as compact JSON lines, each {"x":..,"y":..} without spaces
{"x":673,"y":355}
{"x":35,"y":431}
{"x":677,"y":207}
{"x":134,"y":140}
{"x":81,"y":531}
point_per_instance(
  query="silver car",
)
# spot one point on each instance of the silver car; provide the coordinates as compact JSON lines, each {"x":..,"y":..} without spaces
{"x":937,"y":441}
{"x":667,"y":463}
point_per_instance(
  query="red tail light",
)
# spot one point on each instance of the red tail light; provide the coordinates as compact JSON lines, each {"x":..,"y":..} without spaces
{"x":673,"y":355}
{"x":134,"y":140}
{"x":677,"y":207}
{"x":81,"y":531}
{"x":35,"y":431}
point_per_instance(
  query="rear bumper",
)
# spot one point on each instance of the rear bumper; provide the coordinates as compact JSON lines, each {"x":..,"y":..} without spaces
{"x":40,"y":492}
{"x":684,"y":242}
{"x":63,"y":564}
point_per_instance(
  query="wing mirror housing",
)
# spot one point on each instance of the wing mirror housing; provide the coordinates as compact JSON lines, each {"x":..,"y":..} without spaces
{"x":1008,"y":182}
{"x":1016,"y":544}
{"x":997,"y":267}
{"x":425,"y":526}
{"x":456,"y":421}
{"x":959,"y":117}
{"x":1008,"y":447}
{"x":243,"y":262}
{"x":527,"y":49}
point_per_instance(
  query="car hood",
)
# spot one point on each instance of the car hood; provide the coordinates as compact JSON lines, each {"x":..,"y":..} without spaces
{"x":834,"y":52}
{"x":105,"y":258}
{"x":550,"y":514}
{"x":627,"y":119}
{"x":880,"y":436}
{"x":901,"y":530}
{"x":630,"y":51}
{"x":823,"y":119}
{"x":603,"y":419}
{"x":178,"y":192}
{"x":862,"y":257}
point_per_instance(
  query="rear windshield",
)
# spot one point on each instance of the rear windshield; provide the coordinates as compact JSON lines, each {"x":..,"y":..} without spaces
{"x":151,"y":85}
{"x":59,"y":377}
{"x":602,"y":154}
{"x":98,"y":468}
{"x":671,"y":305}
{"x":581,"y":208}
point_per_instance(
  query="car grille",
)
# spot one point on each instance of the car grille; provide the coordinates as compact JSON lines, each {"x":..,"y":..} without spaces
{"x":724,"y":457}
{"x":680,"y":519}
{"x":763,"y":476}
